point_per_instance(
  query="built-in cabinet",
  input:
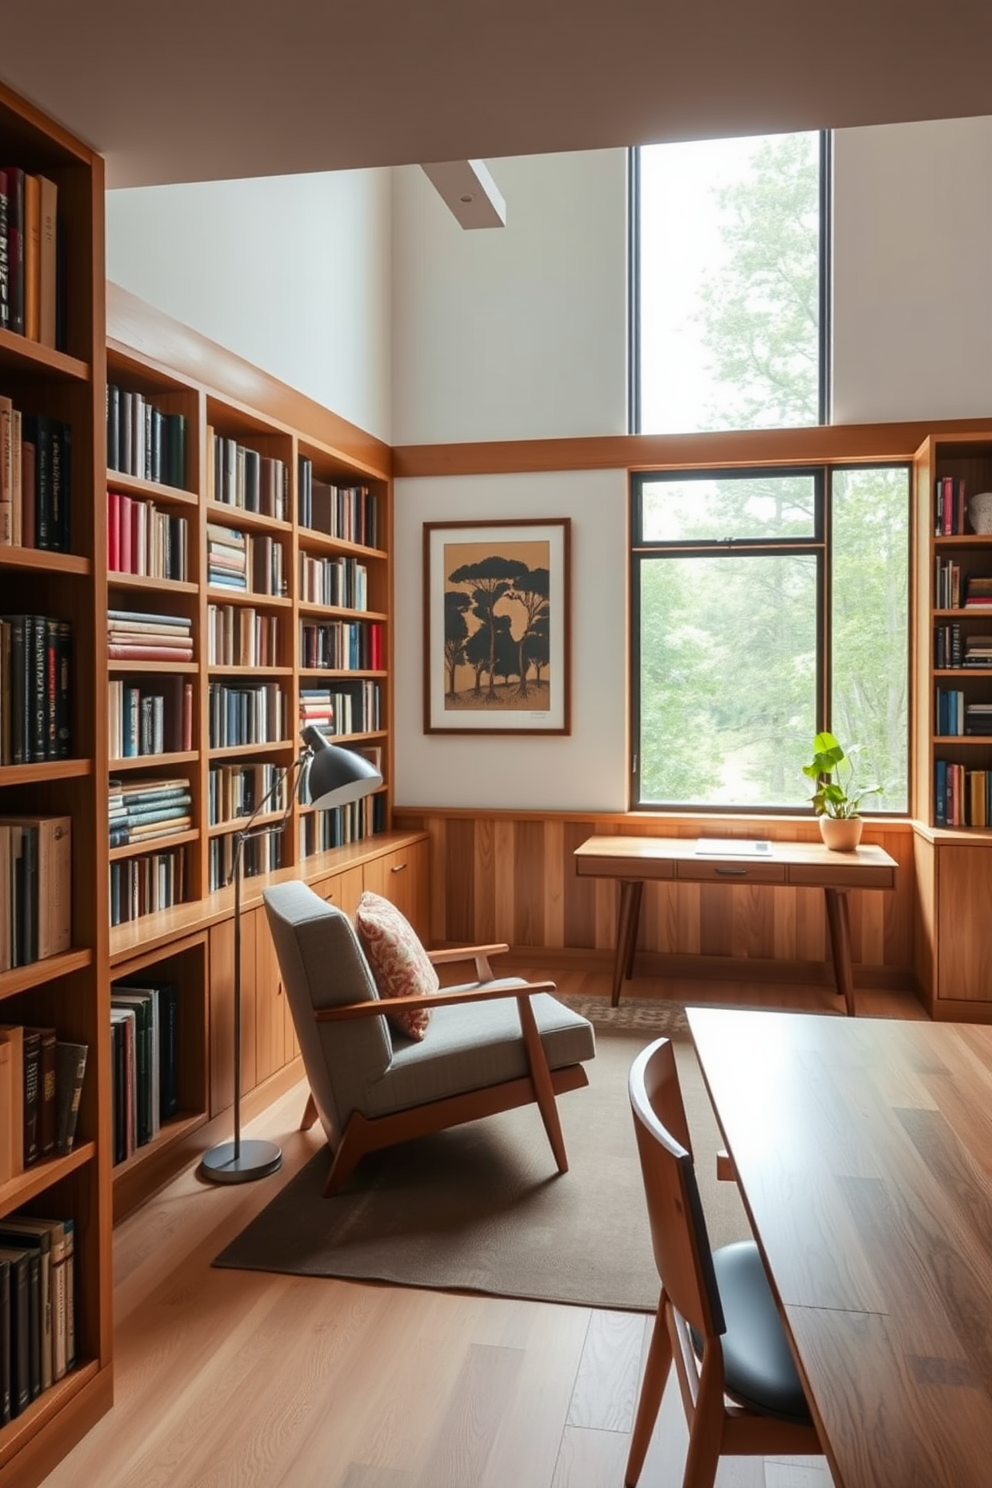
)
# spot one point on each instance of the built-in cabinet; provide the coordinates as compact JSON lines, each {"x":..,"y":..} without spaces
{"x":952,"y":725}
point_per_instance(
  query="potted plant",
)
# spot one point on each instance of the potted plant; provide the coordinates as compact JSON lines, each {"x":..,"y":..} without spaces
{"x":835,"y":800}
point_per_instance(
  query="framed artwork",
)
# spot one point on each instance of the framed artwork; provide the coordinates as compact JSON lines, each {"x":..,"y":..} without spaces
{"x":496,"y":627}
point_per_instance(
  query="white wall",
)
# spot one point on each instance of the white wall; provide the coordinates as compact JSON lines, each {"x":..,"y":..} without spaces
{"x":290,"y":272}
{"x":913,"y":271}
{"x":585,"y":770}
{"x":516,"y":332}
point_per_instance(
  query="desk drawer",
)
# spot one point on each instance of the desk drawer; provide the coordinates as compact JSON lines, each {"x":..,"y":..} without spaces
{"x":845,"y":876}
{"x":720,"y":870}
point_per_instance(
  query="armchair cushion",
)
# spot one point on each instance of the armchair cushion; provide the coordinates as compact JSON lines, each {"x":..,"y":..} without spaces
{"x":398,"y":961}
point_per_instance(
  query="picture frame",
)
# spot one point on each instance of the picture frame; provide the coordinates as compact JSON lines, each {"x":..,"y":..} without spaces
{"x":497,"y":626}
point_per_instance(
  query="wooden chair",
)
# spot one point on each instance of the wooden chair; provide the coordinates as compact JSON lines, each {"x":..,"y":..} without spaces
{"x":492,"y":1044}
{"x":716,"y":1314}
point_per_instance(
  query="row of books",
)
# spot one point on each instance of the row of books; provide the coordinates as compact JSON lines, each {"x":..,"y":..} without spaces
{"x":322,"y":830}
{"x":31,"y":288}
{"x":143,"y":810}
{"x":35,"y":687}
{"x":35,"y":479}
{"x":41,"y":1079}
{"x":154,"y":717}
{"x":146,"y":884}
{"x":35,"y":888}
{"x":146,"y":539}
{"x":133,"y":635}
{"x":350,"y":708}
{"x":239,"y":476}
{"x":246,"y":562}
{"x":350,"y":513}
{"x":956,"y":716}
{"x":144,"y":1055}
{"x":144,"y":441}
{"x":342,"y":582}
{"x":950,"y":507}
{"x":238,"y":635}
{"x":235,"y":791}
{"x":962,"y":797}
{"x":37,"y":1308}
{"x":259,"y":855}
{"x":951,"y":649}
{"x":342,"y":645}
{"x":253,"y":713}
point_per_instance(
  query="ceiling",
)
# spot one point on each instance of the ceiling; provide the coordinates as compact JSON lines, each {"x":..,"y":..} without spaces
{"x":190,"y":90}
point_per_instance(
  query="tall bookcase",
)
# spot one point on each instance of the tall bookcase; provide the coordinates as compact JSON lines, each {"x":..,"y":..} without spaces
{"x":952,"y":741}
{"x":67,"y":991}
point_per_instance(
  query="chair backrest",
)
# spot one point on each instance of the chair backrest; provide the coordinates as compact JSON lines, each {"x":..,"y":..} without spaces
{"x":323,"y":965}
{"x":678,"y":1228}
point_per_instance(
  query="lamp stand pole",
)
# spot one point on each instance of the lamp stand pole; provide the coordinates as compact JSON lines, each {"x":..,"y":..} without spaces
{"x":238,"y":1161}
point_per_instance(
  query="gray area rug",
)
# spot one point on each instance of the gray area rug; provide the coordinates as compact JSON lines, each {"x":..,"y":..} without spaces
{"x":481,"y":1208}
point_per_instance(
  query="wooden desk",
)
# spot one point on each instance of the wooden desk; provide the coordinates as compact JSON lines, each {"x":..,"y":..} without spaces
{"x":805,"y":864}
{"x":863,"y":1151}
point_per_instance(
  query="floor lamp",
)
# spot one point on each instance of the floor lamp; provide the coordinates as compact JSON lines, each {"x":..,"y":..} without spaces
{"x":325,"y":775}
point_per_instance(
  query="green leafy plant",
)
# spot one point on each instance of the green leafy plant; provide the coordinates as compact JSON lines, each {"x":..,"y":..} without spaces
{"x":835,"y":797}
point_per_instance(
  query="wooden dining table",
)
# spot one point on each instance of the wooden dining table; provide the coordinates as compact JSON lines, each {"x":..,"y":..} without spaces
{"x":863,"y":1153}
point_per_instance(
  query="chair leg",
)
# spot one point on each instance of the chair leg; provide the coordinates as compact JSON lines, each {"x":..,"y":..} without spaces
{"x":656,"y":1371}
{"x":706,"y":1427}
{"x":541,"y":1078}
{"x":309,"y":1115}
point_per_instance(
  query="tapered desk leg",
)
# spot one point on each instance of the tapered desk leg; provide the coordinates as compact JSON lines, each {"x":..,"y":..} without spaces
{"x":840,"y":944}
{"x":630,"y":909}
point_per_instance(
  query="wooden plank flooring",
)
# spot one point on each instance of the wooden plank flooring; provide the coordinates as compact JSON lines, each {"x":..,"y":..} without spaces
{"x":228,"y":1379}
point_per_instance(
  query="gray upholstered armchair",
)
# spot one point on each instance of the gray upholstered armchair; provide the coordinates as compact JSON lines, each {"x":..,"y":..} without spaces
{"x":492,"y":1044}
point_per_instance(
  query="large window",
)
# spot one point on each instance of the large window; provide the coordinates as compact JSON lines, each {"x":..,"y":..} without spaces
{"x":729,"y":284}
{"x":767,"y":605}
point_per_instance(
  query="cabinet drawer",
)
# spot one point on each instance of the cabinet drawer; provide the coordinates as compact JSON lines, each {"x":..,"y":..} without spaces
{"x":715,"y":870}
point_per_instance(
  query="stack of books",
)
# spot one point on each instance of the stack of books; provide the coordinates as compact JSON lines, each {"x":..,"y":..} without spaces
{"x":238,"y":635}
{"x":30,"y":253}
{"x":342,"y":645}
{"x":978,"y":719}
{"x":342,"y":582}
{"x":145,"y":539}
{"x":978,"y":592}
{"x":35,"y":888}
{"x":227,"y":558}
{"x":143,"y":810}
{"x":38,"y":1323}
{"x":152,"y":719}
{"x":41,"y":1077}
{"x":978,"y":651}
{"x":253,"y":714}
{"x":144,"y":441}
{"x":144,"y":1073}
{"x":35,"y":684}
{"x":241,"y":477}
{"x":349,"y":513}
{"x":135,"y":636}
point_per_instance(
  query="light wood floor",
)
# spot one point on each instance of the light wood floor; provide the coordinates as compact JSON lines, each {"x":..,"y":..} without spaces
{"x":255,"y":1381}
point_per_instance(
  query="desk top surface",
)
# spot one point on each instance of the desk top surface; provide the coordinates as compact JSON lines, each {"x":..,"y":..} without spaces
{"x":863,"y":1151}
{"x":634,"y":856}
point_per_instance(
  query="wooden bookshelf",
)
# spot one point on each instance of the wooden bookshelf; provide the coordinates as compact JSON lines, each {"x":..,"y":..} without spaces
{"x":68,"y":991}
{"x":953,"y":847}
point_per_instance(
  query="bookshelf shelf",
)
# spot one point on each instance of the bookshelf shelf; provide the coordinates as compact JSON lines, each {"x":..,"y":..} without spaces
{"x":43,"y":560}
{"x":226,"y":515}
{"x":49,"y":770}
{"x":46,"y":1412}
{"x":165,"y":587}
{"x":37,"y":973}
{"x":157,"y":761}
{"x":37,"y":1179}
{"x":19,"y":355}
{"x":152,"y":845}
{"x":157,"y":491}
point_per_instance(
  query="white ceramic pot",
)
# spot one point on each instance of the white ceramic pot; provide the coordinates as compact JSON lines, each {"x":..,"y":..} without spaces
{"x":841,"y":833}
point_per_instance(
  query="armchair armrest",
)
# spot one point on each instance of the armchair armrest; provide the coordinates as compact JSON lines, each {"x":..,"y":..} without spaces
{"x":479,"y":954}
{"x":380,"y":1007}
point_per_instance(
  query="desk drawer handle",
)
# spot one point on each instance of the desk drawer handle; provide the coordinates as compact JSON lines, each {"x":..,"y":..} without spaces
{"x":397,"y":868}
{"x":732,"y":872}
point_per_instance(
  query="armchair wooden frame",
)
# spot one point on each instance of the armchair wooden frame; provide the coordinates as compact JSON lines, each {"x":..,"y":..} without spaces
{"x":363,"y":1134}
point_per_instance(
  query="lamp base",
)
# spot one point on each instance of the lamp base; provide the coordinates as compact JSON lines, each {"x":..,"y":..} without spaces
{"x":255,"y":1160}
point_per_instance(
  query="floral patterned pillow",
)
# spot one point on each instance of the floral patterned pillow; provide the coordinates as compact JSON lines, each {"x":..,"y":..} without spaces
{"x":399,"y":963}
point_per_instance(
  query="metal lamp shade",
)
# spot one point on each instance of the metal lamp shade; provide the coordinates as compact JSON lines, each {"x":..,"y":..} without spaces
{"x":336,"y":776}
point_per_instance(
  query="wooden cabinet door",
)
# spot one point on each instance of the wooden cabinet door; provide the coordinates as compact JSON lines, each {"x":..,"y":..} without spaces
{"x":964,"y":893}
{"x":401,"y":877}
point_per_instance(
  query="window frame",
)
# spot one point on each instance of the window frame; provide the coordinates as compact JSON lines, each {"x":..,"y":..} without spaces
{"x":818,"y":544}
{"x":634,"y":296}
